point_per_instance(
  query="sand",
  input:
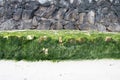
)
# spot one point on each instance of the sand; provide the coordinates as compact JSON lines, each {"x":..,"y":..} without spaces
{"x":64,"y":70}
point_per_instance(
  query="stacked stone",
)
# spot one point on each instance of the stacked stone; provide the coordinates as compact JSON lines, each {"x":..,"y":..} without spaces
{"x":100,"y":15}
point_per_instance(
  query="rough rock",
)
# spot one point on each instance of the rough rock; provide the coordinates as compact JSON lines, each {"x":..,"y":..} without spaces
{"x":45,"y":2}
{"x":25,"y":24}
{"x":114,"y":27}
{"x":61,"y":13}
{"x":70,"y":26}
{"x":1,"y":11}
{"x":32,"y":5}
{"x":34,"y":21}
{"x":91,"y":17}
{"x":63,"y":3}
{"x":81,"y":18}
{"x":40,"y":12}
{"x":8,"y":25}
{"x":101,"y":27}
{"x":44,"y":25}
{"x":18,"y":14}
{"x":71,"y":15}
{"x":27,"y":14}
{"x":1,"y":2}
{"x":100,"y":15}
{"x":56,"y":25}
{"x":87,"y":26}
{"x":48,"y":13}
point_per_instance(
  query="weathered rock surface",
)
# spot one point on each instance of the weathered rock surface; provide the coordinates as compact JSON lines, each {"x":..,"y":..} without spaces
{"x":100,"y":15}
{"x":11,"y":23}
{"x":17,"y":14}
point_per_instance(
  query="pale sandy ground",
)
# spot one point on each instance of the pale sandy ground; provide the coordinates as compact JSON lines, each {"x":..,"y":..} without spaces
{"x":67,"y":70}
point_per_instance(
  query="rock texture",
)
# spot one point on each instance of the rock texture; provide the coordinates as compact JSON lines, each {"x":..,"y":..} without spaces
{"x":100,"y":15}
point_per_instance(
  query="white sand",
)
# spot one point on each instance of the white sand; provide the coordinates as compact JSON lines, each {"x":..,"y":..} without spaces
{"x":68,"y":70}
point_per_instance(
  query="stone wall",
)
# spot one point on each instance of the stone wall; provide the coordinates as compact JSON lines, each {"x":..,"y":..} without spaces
{"x":100,"y":15}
